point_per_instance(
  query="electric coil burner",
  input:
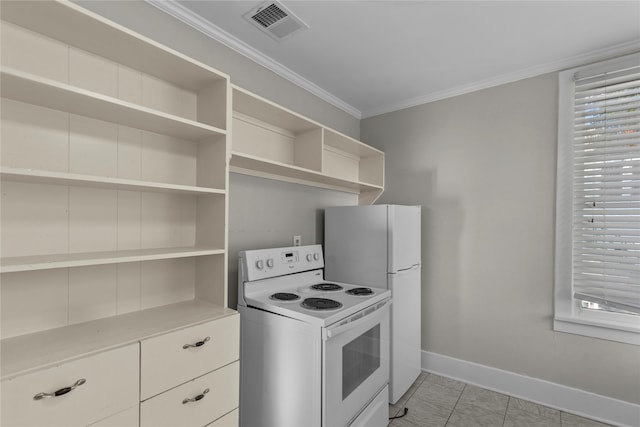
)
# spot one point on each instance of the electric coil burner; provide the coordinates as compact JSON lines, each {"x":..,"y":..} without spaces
{"x":360,"y":291}
{"x":326,"y":287}
{"x":321,"y":304}
{"x":284,"y":296}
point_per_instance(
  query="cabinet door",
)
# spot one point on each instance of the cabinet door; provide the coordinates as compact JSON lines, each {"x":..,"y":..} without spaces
{"x":195,"y":403}
{"x":172,"y":359}
{"x":110,"y":386}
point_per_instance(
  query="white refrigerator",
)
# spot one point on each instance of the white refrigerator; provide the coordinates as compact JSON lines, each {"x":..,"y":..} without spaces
{"x":379,"y":246}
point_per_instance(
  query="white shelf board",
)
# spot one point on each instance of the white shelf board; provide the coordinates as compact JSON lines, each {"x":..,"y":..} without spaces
{"x":256,"y":107}
{"x":45,"y":262}
{"x":48,"y":93}
{"x":350,"y":145}
{"x":42,"y":349}
{"x":76,"y":26}
{"x":251,"y":165}
{"x":62,"y":178}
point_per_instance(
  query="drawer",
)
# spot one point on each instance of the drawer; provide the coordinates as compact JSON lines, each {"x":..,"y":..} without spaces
{"x":128,"y":418}
{"x":166,"y":363}
{"x":229,"y":420}
{"x":168,"y":409}
{"x":111,"y":386}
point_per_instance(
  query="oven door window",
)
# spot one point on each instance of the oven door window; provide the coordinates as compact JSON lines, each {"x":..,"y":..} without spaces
{"x":360,"y":359}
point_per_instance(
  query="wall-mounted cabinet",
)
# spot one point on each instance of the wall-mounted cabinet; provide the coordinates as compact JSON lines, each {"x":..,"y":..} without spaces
{"x":273,"y":142}
{"x":114,"y":169}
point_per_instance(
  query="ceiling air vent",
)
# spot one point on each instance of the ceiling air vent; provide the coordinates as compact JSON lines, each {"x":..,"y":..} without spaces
{"x":275,"y":20}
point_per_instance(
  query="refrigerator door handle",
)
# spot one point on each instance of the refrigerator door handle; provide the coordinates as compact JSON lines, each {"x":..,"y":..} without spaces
{"x":413,"y":267}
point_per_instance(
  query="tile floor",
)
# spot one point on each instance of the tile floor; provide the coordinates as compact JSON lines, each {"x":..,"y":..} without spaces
{"x":436,"y":401}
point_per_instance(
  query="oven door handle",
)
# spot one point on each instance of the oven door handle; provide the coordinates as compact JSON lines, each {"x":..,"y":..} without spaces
{"x":375,"y":314}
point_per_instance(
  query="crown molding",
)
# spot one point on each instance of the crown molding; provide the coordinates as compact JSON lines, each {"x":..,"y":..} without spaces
{"x":574,"y":61}
{"x":190,"y":18}
{"x":195,"y":21}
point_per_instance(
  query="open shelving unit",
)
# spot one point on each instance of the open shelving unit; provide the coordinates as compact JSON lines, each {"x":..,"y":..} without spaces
{"x":273,"y":142}
{"x":114,"y":170}
{"x":48,"y":93}
{"x":62,"y":178}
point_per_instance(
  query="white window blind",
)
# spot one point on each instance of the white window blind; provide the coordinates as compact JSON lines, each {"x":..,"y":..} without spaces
{"x":606,"y":188}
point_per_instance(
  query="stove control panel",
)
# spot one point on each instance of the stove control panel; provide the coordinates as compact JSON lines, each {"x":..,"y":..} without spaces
{"x":265,"y":263}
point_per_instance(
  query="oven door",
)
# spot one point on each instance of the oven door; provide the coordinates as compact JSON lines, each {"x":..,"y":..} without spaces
{"x":355,"y":364}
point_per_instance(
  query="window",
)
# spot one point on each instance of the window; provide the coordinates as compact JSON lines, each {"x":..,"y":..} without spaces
{"x":597,"y":278}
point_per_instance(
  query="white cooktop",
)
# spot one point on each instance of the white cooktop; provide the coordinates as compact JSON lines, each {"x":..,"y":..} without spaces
{"x":259,"y":295}
{"x":294,"y":270}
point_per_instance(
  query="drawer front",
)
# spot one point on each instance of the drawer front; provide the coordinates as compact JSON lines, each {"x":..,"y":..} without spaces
{"x":111,"y":386}
{"x":165,"y":363}
{"x":229,"y":420}
{"x":168,"y":409}
{"x":128,"y":418}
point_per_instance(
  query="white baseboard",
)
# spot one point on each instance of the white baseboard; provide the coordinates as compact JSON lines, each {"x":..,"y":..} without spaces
{"x":567,"y":399}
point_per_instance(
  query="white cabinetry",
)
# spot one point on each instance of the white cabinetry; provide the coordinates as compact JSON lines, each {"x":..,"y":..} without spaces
{"x":273,"y":142}
{"x":195,"y":403}
{"x":114,"y":169}
{"x":202,"y":361}
{"x":103,"y":384}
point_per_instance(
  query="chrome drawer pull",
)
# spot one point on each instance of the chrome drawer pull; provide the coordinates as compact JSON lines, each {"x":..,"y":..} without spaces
{"x":60,"y":392}
{"x":195,"y":399}
{"x":198,"y":344}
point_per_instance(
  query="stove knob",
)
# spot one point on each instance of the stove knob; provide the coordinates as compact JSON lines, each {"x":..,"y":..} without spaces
{"x":309,"y":257}
{"x":270,"y":263}
{"x":259,"y":264}
{"x":316,"y":256}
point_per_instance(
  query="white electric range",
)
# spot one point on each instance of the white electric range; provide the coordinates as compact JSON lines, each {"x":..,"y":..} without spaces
{"x":313,"y":353}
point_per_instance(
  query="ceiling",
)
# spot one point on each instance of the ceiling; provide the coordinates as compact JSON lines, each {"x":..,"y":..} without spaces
{"x":372,"y":57}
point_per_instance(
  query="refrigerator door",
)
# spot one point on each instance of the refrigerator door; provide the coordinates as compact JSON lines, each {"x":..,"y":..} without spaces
{"x":404,"y":237}
{"x":356,"y":245}
{"x":405,"y":331}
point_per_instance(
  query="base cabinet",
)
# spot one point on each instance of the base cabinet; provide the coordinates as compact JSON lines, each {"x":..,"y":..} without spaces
{"x":190,"y":377}
{"x":175,"y":358}
{"x":88,"y":389}
{"x":195,"y":403}
{"x":103,"y":390}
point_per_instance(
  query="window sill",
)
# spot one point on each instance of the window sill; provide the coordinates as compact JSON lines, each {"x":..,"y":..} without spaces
{"x":597,"y":328}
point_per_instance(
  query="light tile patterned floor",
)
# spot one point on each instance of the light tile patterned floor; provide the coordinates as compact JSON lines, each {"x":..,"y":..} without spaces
{"x":435,"y":401}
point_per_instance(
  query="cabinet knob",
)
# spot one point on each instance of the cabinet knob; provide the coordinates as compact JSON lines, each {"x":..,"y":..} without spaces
{"x":60,"y":392}
{"x":195,"y":399}
{"x":196,"y":344}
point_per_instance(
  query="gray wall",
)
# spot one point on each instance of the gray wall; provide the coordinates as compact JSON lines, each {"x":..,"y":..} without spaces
{"x":262,"y":213}
{"x":482,"y":165}
{"x":266,"y":213}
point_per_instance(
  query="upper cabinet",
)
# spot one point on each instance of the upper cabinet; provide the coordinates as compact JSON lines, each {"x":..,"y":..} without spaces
{"x":274,"y":142}
{"x":114,"y":169}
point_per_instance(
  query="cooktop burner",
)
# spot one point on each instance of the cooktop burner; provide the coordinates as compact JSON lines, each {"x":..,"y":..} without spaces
{"x":321,"y":304}
{"x":284,"y":296}
{"x":360,"y":291}
{"x":326,"y":287}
